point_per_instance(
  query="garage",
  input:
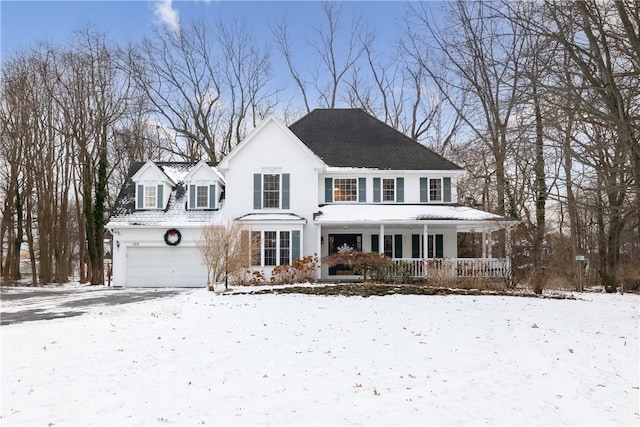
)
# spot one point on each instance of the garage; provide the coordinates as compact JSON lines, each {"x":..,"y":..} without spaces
{"x":165,"y":266}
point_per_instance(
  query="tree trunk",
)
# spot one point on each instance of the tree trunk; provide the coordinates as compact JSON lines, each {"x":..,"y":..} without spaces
{"x":538,"y":280}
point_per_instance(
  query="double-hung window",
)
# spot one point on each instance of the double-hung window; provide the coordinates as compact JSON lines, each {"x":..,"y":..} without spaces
{"x":345,"y":189}
{"x":285,"y":248}
{"x":388,"y":190}
{"x":150,"y":197}
{"x":271,"y":191}
{"x":202,"y":196}
{"x":270,"y":248}
{"x":435,"y":189}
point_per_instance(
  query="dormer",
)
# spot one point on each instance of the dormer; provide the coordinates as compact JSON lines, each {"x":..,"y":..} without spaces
{"x":153,"y":187}
{"x":204,"y":184}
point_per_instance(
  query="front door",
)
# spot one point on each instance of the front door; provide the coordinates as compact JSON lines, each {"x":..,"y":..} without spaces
{"x":340,"y":243}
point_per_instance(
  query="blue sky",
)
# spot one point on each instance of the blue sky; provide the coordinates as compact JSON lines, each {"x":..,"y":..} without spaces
{"x":25,"y":22}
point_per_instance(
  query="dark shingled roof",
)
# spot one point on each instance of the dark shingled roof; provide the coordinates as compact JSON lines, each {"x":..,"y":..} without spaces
{"x":353,"y":138}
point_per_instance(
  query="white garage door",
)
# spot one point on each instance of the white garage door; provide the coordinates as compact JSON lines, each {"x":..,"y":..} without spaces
{"x":165,"y":266}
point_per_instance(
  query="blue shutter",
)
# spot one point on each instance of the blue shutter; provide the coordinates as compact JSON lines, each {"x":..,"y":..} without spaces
{"x":375,"y":243}
{"x":295,"y":244}
{"x":376,"y":190}
{"x":257,"y":191}
{"x":192,"y":197}
{"x":400,"y":190}
{"x":285,"y":191}
{"x":140,"y":197}
{"x":446,"y":184}
{"x":328,"y":190}
{"x":424,"y":190}
{"x":439,"y":246}
{"x":160,"y":196}
{"x":362,"y":190}
{"x":397,"y":250}
{"x":212,"y":196}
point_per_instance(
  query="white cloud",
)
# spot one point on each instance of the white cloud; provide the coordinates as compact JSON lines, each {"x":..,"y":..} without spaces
{"x":167,"y":14}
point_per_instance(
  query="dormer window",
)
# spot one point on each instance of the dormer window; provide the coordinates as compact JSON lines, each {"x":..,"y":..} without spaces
{"x":202,"y":196}
{"x":150,"y":197}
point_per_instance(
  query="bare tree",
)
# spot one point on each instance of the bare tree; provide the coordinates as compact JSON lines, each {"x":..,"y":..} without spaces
{"x":207,"y":85}
{"x":600,"y":76}
{"x":225,"y":250}
{"x":483,"y":55}
{"x":335,"y":55}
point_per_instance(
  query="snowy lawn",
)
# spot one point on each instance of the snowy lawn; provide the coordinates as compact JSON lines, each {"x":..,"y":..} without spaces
{"x":201,"y":358}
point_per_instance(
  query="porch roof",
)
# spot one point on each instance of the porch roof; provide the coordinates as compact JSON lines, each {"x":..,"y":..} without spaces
{"x":463,"y":217}
{"x":273,"y":217}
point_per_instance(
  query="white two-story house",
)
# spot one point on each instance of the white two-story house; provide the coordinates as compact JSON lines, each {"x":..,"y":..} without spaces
{"x":335,"y":179}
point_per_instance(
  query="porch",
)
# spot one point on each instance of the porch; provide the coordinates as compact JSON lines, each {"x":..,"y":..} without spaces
{"x":422,"y":241}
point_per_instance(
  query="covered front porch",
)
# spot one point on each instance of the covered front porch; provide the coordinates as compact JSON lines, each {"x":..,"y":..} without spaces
{"x":422,"y":241}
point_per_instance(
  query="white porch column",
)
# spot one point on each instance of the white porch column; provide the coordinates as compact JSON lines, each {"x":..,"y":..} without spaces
{"x":381,"y":240}
{"x":484,"y":244}
{"x":425,"y":249}
{"x":319,"y":246}
{"x":425,"y":241}
{"x":507,"y":243}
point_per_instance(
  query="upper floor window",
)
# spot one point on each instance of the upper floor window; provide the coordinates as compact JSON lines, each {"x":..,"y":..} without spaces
{"x":202,"y":196}
{"x":150,"y":197}
{"x":345,"y":190}
{"x":271,"y":191}
{"x":435,"y":189}
{"x":388,"y":190}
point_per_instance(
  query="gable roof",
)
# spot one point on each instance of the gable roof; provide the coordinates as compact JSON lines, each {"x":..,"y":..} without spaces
{"x":209,"y":167}
{"x":158,"y":171}
{"x":224,"y":163}
{"x":353,"y":138}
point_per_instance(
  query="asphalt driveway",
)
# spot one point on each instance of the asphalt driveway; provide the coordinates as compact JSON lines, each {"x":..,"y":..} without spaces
{"x":25,"y":304}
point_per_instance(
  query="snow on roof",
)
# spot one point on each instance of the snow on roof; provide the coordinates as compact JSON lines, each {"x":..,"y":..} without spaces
{"x":378,"y":213}
{"x":176,"y":172}
{"x":175,"y":215}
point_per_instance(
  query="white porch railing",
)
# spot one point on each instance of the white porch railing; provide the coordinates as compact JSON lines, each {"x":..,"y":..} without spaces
{"x":453,"y":267}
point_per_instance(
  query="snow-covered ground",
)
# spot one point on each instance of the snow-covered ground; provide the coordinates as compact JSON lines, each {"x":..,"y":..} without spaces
{"x":202,"y":358}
